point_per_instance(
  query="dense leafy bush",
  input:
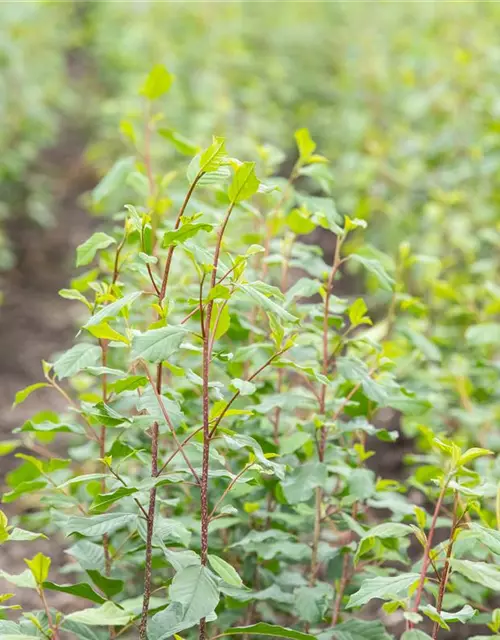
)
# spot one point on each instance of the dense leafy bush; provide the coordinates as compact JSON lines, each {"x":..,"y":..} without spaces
{"x":223,"y":404}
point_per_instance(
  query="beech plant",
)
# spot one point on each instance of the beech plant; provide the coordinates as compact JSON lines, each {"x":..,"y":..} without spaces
{"x":223,"y":401}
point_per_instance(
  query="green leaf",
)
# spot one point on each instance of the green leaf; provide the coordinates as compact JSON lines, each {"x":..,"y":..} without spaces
{"x":375,"y":268}
{"x":489,"y":537}
{"x":112,"y":310}
{"x":81,"y":590}
{"x":480,"y":572}
{"x":264,"y":629}
{"x":305,"y":144}
{"x":105,"y":332}
{"x":27,"y":391}
{"x":225,"y":570}
{"x":106,"y":615}
{"x":157,"y":345}
{"x":80,"y":631}
{"x":99,"y":525}
{"x":243,"y":386}
{"x":213,"y":157}
{"x":357,"y":313}
{"x":25,"y":579}
{"x":21,"y":535}
{"x":311,"y":603}
{"x":104,"y":500}
{"x":483,"y":335}
{"x":266,"y":303}
{"x":382,"y":588}
{"x":442,"y":618}
{"x":85,"y":253}
{"x":184,"y":232}
{"x":194,"y":596}
{"x":358,"y":630}
{"x":39,"y":566}
{"x":157,"y":83}
{"x":245,"y":183}
{"x":131,"y":383}
{"x":415,"y":635}
{"x":300,"y":484}
{"x":292,"y":443}
{"x":299,"y":221}
{"x":181,"y":143}
{"x":75,"y":359}
{"x":472,"y":454}
{"x":112,"y":181}
{"x":108,"y":586}
{"x":222,"y":318}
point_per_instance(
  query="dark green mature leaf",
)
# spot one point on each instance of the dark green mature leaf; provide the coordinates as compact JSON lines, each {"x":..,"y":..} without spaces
{"x":311,"y":603}
{"x":382,"y":588}
{"x":109,"y":586}
{"x":103,"y":501}
{"x":264,"y":629}
{"x":86,"y":252}
{"x":157,"y":345}
{"x":251,"y":291}
{"x":81,"y":590}
{"x":81,"y":631}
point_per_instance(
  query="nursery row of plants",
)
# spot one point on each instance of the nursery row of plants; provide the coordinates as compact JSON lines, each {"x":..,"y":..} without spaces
{"x":224,"y":405}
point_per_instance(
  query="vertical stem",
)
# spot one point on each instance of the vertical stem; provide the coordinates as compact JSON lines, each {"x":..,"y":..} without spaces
{"x":446,"y":569}
{"x":205,"y":330}
{"x":102,"y":451}
{"x":340,"y":593}
{"x":316,"y":534}
{"x":427,"y":550}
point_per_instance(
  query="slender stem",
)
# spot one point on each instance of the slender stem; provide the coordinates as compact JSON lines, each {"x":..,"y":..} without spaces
{"x":171,"y":249}
{"x":102,"y":450}
{"x":237,"y":393}
{"x":52,"y":626}
{"x":340,"y":593}
{"x":316,"y":536}
{"x":228,"y":489}
{"x":446,"y":569}
{"x":170,"y":425}
{"x":428,"y":547}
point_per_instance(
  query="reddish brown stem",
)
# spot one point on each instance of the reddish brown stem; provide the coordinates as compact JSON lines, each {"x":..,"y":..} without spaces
{"x":171,"y":249}
{"x":446,"y":569}
{"x":427,"y":550}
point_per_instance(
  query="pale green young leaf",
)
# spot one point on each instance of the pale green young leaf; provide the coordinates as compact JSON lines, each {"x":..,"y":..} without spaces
{"x":39,"y":566}
{"x":222,"y":317}
{"x":305,"y":144}
{"x":157,"y":83}
{"x":86,"y":252}
{"x":213,"y":157}
{"x":27,"y":391}
{"x":244,"y":387}
{"x":104,"y":332}
{"x":244,"y":184}
{"x":357,"y":313}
